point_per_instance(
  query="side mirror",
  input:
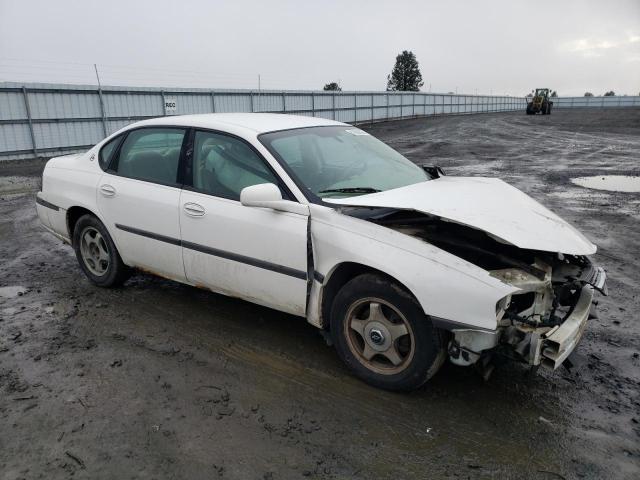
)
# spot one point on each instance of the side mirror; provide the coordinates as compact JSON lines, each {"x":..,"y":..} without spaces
{"x":267,"y":195}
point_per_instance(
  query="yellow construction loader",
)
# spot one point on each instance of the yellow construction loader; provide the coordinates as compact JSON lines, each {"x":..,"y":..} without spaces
{"x":540,"y":103}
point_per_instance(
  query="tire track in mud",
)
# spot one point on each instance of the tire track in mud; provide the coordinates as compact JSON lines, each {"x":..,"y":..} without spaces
{"x":340,"y":390}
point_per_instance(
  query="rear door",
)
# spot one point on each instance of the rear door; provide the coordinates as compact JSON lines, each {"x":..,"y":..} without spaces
{"x":138,"y":197}
{"x":258,"y":254}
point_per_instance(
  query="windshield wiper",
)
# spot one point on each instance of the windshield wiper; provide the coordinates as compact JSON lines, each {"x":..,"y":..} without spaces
{"x":351,"y":190}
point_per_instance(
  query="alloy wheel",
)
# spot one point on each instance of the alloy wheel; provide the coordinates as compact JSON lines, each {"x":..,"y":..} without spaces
{"x":379,"y":336}
{"x":94,"y":251}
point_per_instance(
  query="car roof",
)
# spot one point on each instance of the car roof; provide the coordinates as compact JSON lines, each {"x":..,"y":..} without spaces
{"x":255,"y":122}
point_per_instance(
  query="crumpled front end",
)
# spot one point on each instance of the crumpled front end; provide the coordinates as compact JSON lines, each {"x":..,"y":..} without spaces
{"x":543,"y":322}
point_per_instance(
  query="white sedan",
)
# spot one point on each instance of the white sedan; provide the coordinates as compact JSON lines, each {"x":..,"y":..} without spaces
{"x":400,"y":264}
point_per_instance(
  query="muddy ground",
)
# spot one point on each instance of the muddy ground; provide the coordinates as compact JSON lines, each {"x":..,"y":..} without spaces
{"x":161,"y":380}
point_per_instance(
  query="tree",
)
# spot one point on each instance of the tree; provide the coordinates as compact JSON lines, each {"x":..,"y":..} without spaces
{"x":610,"y":93}
{"x":554,"y":94}
{"x":332,"y":87}
{"x":405,"y":76}
{"x":588,"y":94}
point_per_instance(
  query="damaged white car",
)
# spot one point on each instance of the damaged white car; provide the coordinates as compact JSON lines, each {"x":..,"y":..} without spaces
{"x":402,"y":265}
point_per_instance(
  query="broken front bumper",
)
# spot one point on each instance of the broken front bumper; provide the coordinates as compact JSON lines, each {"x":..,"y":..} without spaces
{"x":535,"y":345}
{"x":557,"y":344}
{"x":550,"y":346}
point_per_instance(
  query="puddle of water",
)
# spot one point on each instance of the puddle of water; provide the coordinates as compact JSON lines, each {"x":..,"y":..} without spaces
{"x":12,"y":291}
{"x":613,"y":183}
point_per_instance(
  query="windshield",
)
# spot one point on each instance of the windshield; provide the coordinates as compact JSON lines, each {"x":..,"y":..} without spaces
{"x":341,"y":161}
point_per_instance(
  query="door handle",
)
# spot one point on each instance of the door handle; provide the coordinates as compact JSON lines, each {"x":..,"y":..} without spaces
{"x":193,"y":209}
{"x":107,"y":190}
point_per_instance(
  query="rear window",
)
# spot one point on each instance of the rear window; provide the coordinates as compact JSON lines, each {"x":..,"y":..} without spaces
{"x":106,"y":152}
{"x":151,"y":154}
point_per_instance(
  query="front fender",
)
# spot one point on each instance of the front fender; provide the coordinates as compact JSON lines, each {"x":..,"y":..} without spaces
{"x":446,"y":286}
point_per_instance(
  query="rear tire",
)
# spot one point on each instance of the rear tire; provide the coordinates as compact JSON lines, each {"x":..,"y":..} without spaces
{"x":97,"y":254}
{"x":382,"y":334}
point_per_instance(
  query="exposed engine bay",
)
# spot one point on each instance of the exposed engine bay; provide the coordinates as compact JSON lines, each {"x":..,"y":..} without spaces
{"x":540,"y":324}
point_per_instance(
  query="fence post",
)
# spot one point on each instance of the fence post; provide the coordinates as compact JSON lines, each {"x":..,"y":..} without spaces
{"x":251,"y":100}
{"x":102,"y":112}
{"x":372,"y":108}
{"x":164,"y":104}
{"x":313,"y":104}
{"x":333,"y":104}
{"x":388,"y":117}
{"x":284,"y":102}
{"x":213,"y":102}
{"x":355,"y":108}
{"x":28,"y":109}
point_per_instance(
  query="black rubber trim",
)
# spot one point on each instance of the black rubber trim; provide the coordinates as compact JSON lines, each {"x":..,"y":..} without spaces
{"x":44,"y":203}
{"x":318,"y":276}
{"x":144,"y":233}
{"x":254,"y":262}
{"x":446,"y":324}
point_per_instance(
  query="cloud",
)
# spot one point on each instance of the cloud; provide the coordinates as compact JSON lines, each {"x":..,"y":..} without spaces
{"x":589,"y":47}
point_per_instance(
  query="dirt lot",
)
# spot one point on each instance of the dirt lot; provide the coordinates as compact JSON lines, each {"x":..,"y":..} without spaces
{"x":160,"y":380}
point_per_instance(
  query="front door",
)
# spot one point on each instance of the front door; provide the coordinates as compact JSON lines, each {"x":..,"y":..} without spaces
{"x":258,"y":254}
{"x":139,"y":197}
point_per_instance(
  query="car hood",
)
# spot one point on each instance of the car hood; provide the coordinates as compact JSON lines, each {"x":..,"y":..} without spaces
{"x":487,"y":204}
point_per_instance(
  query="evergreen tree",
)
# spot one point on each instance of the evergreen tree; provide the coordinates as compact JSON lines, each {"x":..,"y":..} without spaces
{"x":405,"y":76}
{"x":332,"y":87}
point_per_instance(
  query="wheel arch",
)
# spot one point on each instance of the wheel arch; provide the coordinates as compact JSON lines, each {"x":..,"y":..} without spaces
{"x":75,"y":212}
{"x":73,"y":215}
{"x":342,"y":273}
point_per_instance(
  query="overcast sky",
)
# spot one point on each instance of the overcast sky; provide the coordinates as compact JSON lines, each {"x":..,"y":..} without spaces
{"x":499,"y":46}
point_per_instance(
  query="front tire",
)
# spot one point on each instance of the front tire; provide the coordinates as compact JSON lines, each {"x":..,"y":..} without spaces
{"x":382,"y":334}
{"x":97,"y":254}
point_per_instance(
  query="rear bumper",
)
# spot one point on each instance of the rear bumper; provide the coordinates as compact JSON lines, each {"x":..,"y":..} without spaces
{"x":42,"y":209}
{"x":52,"y":217}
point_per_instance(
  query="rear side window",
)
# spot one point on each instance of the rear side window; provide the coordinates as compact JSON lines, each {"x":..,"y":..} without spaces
{"x":106,"y":152}
{"x":151,"y":154}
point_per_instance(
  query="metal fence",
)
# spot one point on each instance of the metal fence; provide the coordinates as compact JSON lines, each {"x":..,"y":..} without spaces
{"x":47,"y":119}
{"x":602,"y":102}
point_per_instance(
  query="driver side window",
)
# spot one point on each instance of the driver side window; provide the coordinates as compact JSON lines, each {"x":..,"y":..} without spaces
{"x":224,"y":165}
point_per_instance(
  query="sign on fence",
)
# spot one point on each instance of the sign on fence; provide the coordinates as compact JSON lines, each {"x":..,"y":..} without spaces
{"x":170,"y":105}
